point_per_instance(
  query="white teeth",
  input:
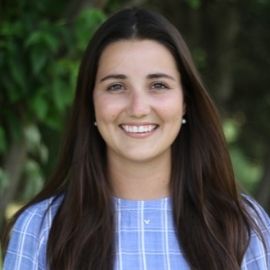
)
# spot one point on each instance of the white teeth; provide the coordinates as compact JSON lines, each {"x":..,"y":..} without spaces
{"x":138,"y":129}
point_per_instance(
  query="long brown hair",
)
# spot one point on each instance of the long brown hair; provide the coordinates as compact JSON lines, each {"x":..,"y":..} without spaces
{"x":211,"y":221}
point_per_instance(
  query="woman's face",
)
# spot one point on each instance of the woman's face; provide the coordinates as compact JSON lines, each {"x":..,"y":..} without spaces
{"x":138,"y":100}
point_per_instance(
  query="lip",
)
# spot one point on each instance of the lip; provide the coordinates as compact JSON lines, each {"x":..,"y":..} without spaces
{"x":139,"y":130}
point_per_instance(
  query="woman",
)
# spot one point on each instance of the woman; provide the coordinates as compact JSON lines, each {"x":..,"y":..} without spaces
{"x":144,"y":180}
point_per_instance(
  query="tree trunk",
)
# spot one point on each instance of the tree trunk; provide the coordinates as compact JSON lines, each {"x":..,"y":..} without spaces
{"x":13,"y":167}
{"x":220,"y":46}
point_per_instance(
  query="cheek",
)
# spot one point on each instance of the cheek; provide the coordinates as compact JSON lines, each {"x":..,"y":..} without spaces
{"x":171,"y":109}
{"x":106,"y":109}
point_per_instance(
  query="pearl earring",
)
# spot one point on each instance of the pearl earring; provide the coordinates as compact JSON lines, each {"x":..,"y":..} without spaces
{"x":184,"y":121}
{"x":95,"y":123}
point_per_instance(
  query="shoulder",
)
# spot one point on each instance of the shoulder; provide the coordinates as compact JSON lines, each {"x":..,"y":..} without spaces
{"x":257,"y":255}
{"x":38,"y":217}
{"x":29,"y":235}
{"x":256,"y":211}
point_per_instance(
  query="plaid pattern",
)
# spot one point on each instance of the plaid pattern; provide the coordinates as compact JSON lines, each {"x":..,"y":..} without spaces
{"x":145,"y":238}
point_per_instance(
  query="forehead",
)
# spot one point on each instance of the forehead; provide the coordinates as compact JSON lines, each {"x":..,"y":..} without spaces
{"x":131,"y":54}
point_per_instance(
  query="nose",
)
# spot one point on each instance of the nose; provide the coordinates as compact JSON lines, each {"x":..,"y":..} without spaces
{"x":138,"y":104}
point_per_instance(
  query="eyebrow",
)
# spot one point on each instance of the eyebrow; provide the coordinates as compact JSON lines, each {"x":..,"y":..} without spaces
{"x":160,"y":75}
{"x":149,"y":76}
{"x":114,"y":76}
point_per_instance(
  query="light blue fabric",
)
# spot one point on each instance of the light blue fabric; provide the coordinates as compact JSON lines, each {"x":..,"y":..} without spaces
{"x":145,"y":237}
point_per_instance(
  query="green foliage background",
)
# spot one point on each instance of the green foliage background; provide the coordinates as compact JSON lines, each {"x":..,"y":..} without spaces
{"x":39,"y":57}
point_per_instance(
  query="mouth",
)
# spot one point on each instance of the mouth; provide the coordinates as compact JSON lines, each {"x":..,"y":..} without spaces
{"x":138,"y":129}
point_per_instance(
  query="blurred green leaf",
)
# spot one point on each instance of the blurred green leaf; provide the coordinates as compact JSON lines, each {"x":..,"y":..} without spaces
{"x":53,"y":121}
{"x":86,"y":24}
{"x":38,"y":60}
{"x":195,"y":4}
{"x":43,"y":38}
{"x":32,"y":136}
{"x":34,"y":39}
{"x":39,"y":106}
{"x":18,"y":75}
{"x":52,"y":41}
{"x":247,"y":172}
{"x":11,"y":29}
{"x":231,"y":130}
{"x":59,"y":93}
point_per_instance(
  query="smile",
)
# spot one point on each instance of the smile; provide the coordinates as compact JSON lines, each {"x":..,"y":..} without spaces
{"x":138,"y":129}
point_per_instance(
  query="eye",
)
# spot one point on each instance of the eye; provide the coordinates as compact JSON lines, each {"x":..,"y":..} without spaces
{"x":159,"y":85}
{"x":115,"y":87}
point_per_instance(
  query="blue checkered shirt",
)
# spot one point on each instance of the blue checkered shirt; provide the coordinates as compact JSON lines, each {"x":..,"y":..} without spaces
{"x":145,"y":238}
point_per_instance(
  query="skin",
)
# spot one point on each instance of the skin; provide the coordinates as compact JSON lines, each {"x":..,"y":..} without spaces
{"x":138,"y":100}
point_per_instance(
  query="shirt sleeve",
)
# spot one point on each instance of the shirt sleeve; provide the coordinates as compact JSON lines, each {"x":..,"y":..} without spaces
{"x":23,"y":247}
{"x":29,"y":235}
{"x":257,"y":256}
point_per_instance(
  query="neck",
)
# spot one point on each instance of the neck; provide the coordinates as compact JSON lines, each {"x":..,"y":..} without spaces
{"x":140,"y":180}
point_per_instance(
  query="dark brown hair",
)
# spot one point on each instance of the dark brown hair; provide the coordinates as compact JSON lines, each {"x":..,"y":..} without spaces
{"x":211,"y":221}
